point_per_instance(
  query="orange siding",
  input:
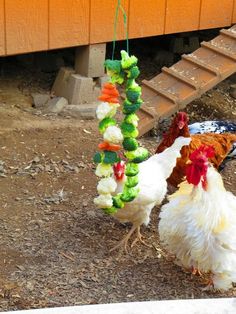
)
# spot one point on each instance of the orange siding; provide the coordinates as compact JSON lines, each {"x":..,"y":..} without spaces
{"x":34,"y":25}
{"x":234,"y":13}
{"x":102,"y":20}
{"x":26,"y":25}
{"x":216,"y":13}
{"x":182,"y":15}
{"x":146,"y":18}
{"x":2,"y":28}
{"x":68,"y":23}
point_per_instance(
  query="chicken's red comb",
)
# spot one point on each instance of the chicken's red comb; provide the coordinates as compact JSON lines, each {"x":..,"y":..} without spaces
{"x":203,"y":150}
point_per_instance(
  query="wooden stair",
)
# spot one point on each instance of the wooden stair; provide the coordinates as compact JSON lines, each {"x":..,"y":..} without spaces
{"x":188,"y":79}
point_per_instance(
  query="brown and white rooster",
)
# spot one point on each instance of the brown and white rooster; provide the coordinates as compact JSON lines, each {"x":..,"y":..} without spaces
{"x":222,"y":144}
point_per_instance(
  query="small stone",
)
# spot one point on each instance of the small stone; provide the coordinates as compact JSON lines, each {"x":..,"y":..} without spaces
{"x":36,"y":159}
{"x":39,"y":100}
{"x":56,"y":104}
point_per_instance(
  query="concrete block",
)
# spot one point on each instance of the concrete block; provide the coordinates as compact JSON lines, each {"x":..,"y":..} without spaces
{"x":60,"y":85}
{"x":86,"y":112}
{"x":89,"y":60}
{"x":56,"y":104}
{"x":79,"y":90}
{"x":39,"y":100}
{"x":102,"y":80}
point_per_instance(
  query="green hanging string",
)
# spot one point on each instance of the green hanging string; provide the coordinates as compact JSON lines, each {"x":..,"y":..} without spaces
{"x":119,"y":7}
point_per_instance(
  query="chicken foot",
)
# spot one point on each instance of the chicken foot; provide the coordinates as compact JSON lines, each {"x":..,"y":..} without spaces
{"x":139,"y":238}
{"x":196,"y":271}
{"x":124,"y":242}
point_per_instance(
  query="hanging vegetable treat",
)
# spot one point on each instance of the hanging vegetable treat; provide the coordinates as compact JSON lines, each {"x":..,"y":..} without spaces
{"x":115,"y":137}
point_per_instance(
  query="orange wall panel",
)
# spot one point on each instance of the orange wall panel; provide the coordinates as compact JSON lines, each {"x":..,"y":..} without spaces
{"x":102,"y":18}
{"x":146,"y":18}
{"x":216,"y":13}
{"x":2,"y":28}
{"x":68,"y":23}
{"x":26,"y":25}
{"x":182,"y":15}
{"x":234,"y":12}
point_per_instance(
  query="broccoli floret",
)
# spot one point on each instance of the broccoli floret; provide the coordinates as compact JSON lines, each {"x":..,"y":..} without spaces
{"x":131,"y":169}
{"x":132,"y":95}
{"x":106,"y":122}
{"x":110,"y":157}
{"x":138,"y":155}
{"x":130,"y":143}
{"x":128,"y":130}
{"x":133,"y":73}
{"x":97,"y":158}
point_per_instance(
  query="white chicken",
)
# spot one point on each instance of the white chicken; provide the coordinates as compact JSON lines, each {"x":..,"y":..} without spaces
{"x":152,"y":188}
{"x":198,"y":224}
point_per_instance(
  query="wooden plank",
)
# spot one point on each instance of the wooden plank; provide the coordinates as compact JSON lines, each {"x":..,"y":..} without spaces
{"x":2,"y":28}
{"x":182,"y":15}
{"x":68,"y":23}
{"x":234,"y":13}
{"x":26,"y":25}
{"x":146,"y":22}
{"x":102,"y":18}
{"x":216,"y":13}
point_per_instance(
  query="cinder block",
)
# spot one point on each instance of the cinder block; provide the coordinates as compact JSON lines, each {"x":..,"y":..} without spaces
{"x":60,"y":85}
{"x":56,"y":104}
{"x":87,"y":111}
{"x":80,"y":90}
{"x":89,"y":60}
{"x":102,"y":80}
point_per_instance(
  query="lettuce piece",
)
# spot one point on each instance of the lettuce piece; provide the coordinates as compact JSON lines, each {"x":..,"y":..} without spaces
{"x":117,"y":202}
{"x":132,"y":118}
{"x":138,"y":155}
{"x":114,"y":70}
{"x":129,"y":194}
{"x":127,"y":61}
{"x":131,"y":169}
{"x":131,"y":181}
{"x":128,"y":130}
{"x":110,"y":210}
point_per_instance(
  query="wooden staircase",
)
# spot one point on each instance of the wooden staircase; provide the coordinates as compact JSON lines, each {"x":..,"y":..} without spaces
{"x":187,"y":79}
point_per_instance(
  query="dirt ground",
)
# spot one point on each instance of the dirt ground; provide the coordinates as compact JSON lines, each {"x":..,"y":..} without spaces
{"x":54,"y":242}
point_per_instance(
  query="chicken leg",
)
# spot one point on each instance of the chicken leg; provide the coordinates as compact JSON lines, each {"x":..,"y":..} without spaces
{"x":139,"y":238}
{"x":124,"y":241}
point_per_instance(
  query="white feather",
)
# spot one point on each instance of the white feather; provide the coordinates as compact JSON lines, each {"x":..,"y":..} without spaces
{"x":199,"y":227}
{"x":152,"y":184}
